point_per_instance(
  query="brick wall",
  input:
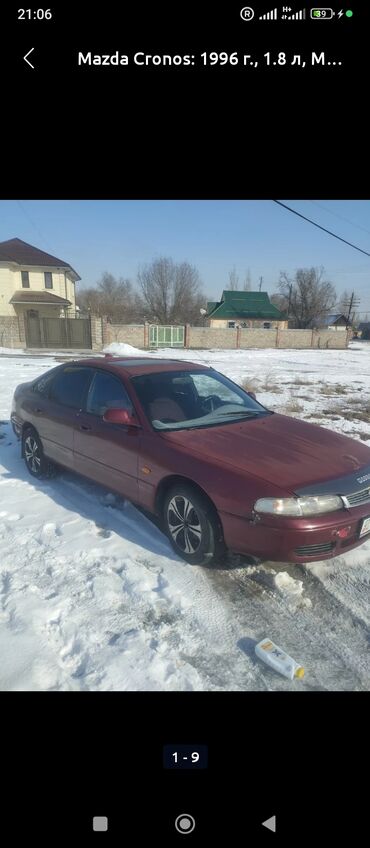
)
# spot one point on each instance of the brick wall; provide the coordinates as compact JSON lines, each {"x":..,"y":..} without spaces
{"x":208,"y":337}
{"x":312,"y":338}
{"x":295,"y":338}
{"x":257,"y":338}
{"x":137,"y":335}
{"x":12,"y":332}
{"x":132,"y":334}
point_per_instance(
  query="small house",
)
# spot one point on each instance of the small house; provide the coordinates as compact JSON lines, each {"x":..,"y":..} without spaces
{"x":245,"y":309}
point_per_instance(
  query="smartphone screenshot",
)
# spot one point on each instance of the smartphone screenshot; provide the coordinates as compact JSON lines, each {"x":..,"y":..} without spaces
{"x":184,"y":423}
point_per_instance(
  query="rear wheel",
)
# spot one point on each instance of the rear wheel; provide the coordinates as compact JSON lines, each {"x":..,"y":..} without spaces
{"x":37,"y":464}
{"x":192,"y":526}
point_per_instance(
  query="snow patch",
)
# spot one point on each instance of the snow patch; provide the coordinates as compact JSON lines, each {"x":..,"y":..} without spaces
{"x":292,"y":589}
{"x":123,"y":349}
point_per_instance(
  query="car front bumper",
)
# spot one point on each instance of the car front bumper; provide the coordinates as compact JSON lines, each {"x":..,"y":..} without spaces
{"x":296,"y":540}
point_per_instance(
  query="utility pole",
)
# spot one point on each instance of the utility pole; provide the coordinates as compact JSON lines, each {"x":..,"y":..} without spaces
{"x":260,"y":283}
{"x":352,"y":305}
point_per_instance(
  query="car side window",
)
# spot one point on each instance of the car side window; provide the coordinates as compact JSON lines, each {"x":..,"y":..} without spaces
{"x":43,"y":384}
{"x":70,"y":385}
{"x":107,"y":392}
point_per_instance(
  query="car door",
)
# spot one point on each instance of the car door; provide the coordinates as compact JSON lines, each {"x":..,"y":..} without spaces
{"x":105,"y":452}
{"x":56,"y":413}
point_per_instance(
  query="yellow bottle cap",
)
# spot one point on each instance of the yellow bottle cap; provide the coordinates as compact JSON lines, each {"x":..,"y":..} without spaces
{"x":299,"y":672}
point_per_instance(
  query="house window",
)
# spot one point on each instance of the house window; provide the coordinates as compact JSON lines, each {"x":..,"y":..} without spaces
{"x":231,"y":324}
{"x":267,"y":325}
{"x":25,"y":280}
{"x":48,"y":279}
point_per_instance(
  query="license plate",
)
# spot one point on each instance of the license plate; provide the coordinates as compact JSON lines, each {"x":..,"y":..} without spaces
{"x":365,"y":528}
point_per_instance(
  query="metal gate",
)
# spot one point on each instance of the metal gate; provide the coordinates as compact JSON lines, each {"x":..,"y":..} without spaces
{"x":58,"y":332}
{"x":166,"y":336}
{"x":33,"y":331}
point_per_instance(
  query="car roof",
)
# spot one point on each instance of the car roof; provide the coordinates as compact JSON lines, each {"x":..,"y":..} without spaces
{"x":135,"y":366}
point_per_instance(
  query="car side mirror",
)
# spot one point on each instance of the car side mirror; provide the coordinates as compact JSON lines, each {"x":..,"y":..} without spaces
{"x":252,"y":395}
{"x":120,"y":416}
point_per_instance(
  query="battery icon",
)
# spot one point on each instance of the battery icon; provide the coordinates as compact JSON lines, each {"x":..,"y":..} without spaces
{"x":322,"y":14}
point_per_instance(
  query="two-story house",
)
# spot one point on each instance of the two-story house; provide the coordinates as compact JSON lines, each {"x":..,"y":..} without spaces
{"x":32,"y":281}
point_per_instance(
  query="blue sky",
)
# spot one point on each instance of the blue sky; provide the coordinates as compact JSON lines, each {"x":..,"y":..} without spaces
{"x":117,"y":236}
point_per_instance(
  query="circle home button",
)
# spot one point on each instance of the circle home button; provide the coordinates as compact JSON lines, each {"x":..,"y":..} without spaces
{"x":185,"y":823}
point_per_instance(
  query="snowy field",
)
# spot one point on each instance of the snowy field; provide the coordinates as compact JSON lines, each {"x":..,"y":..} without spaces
{"x":92,"y":597}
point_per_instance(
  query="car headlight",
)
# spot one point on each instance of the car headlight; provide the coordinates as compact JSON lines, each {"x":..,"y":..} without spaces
{"x":310,"y":505}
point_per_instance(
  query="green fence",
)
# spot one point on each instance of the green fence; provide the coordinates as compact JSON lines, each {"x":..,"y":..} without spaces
{"x":166,"y":336}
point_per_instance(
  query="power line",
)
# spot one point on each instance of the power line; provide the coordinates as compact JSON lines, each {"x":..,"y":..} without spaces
{"x":340,"y":216}
{"x":322,"y":228}
{"x":26,"y":214}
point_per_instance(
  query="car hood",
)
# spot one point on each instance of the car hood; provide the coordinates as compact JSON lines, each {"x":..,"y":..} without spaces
{"x":278,"y":449}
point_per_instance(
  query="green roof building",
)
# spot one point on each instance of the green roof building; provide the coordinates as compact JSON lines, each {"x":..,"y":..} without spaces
{"x":245,"y":309}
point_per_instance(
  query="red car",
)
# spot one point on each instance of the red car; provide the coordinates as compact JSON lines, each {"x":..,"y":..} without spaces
{"x":189,"y":445}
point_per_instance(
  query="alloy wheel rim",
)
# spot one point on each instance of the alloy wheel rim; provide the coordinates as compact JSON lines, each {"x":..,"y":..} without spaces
{"x":31,"y":451}
{"x":184,"y":524}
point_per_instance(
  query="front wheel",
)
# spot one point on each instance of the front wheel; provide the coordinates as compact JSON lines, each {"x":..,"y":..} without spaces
{"x":192,"y":526}
{"x":37,"y":464}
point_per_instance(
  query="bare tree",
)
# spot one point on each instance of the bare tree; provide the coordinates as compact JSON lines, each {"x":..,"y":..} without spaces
{"x":311,"y":295}
{"x":171,"y":291}
{"x":111,"y":297}
{"x":281,"y":302}
{"x":344,"y":301}
{"x":233,"y":280}
{"x":247,"y":285}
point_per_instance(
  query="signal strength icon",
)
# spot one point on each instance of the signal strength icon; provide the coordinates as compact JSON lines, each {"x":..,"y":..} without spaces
{"x":269,"y":16}
{"x":298,"y":16}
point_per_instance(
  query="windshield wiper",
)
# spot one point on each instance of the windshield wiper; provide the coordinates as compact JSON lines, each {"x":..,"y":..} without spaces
{"x":247,"y":412}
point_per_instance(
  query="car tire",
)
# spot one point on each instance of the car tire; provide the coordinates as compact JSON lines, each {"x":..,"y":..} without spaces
{"x":192,"y":526}
{"x":32,"y":451}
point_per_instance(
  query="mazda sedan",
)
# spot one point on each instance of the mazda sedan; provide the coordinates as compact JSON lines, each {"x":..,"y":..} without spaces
{"x":190,"y":446}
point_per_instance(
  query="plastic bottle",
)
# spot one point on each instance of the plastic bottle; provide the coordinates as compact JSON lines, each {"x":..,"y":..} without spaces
{"x":273,"y":656}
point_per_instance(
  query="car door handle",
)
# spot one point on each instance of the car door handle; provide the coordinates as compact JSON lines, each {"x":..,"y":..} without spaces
{"x":85,"y":427}
{"x":38,"y":410}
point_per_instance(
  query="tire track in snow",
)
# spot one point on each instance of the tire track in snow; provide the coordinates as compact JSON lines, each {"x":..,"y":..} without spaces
{"x":331,"y":642}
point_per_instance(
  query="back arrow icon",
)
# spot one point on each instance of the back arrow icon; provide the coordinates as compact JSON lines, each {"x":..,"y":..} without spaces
{"x":26,"y":60}
{"x":270,"y":823}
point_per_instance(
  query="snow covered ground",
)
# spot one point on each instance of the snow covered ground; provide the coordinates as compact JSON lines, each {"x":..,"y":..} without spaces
{"x":92,"y":597}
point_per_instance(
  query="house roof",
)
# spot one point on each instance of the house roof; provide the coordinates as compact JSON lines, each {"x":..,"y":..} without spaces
{"x":16,"y":250}
{"x":31,"y":296}
{"x":243,"y":304}
{"x":327,"y":320}
{"x":364,"y":325}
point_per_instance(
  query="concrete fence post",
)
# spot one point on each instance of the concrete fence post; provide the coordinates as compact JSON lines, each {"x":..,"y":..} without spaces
{"x":105,"y":332}
{"x":312,"y":335}
{"x":146,"y":335}
{"x":277,"y":340}
{"x":238,"y":336}
{"x":187,"y":336}
{"x":96,"y":332}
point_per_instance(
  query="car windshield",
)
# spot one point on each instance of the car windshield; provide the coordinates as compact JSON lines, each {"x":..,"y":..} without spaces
{"x":179,"y":400}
